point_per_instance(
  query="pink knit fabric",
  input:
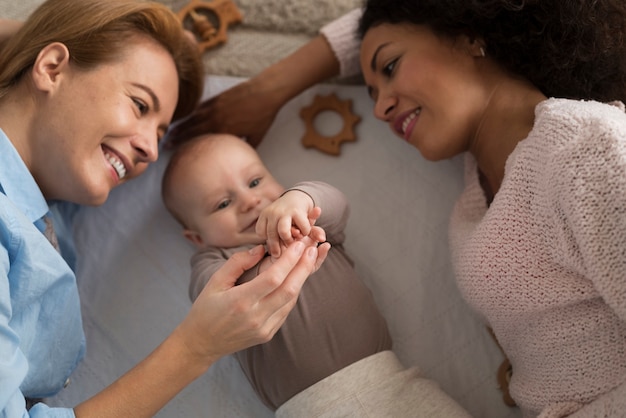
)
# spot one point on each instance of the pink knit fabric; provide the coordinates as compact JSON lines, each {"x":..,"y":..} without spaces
{"x":546,"y":262}
{"x":342,"y":38}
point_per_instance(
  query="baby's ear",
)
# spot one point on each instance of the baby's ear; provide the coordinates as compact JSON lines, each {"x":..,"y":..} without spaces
{"x":194,"y":237}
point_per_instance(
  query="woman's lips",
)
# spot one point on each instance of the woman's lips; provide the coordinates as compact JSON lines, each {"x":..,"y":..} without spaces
{"x":116,"y":164}
{"x":406,"y":122}
{"x":116,"y":161}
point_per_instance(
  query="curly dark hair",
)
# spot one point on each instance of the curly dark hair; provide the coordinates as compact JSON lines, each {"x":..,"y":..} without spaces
{"x":567,"y":48}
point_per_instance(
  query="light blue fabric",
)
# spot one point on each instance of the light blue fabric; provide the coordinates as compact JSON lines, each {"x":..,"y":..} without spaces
{"x":63,"y":213}
{"x":41,"y":334}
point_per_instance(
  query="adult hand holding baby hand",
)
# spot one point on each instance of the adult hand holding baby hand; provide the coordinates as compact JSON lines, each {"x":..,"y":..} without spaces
{"x":226,"y":318}
{"x":290,"y":218}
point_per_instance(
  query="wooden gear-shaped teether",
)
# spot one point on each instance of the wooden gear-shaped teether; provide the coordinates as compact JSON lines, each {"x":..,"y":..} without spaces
{"x":329,"y":145}
{"x":208,"y":20}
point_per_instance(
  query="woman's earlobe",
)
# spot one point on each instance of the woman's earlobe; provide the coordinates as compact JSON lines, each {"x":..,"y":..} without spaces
{"x":477,"y":47}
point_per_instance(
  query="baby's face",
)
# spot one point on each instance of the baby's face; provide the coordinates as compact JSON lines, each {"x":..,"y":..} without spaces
{"x":229,"y":186}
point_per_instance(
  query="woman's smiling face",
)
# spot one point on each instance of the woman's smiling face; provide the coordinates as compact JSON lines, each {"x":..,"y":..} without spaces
{"x":427,"y":88}
{"x":100,"y":127}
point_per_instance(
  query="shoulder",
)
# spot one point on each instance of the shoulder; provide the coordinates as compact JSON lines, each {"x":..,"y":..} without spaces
{"x":584,"y":147}
{"x":580,"y":133}
{"x":581,"y":118}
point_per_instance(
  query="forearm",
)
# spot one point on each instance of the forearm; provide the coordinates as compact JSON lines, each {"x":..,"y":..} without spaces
{"x":146,"y":388}
{"x":313,"y":63}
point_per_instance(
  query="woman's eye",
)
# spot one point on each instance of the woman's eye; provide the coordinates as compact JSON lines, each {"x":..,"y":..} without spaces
{"x":255,"y":183}
{"x":388,"y":69}
{"x":141,"y":106}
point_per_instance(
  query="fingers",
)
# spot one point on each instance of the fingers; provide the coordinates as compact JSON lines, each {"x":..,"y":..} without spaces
{"x":242,"y":110}
{"x":196,"y":124}
{"x":317,"y":234}
{"x":302,"y":222}
{"x":287,"y":293}
{"x":283,"y":279}
{"x":227,"y":318}
{"x":200,"y":122}
{"x":322,"y":252}
{"x":261,"y":226}
{"x":273,"y":242}
{"x":314,"y":214}
{"x":227,"y":276}
{"x":255,"y":139}
{"x":288,"y":229}
{"x":283,"y":228}
{"x":264,"y":228}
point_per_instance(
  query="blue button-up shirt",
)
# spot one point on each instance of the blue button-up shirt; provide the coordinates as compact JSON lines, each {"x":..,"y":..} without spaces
{"x":41,"y":334}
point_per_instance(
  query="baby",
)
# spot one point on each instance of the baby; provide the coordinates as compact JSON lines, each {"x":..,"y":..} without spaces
{"x":222,"y":194}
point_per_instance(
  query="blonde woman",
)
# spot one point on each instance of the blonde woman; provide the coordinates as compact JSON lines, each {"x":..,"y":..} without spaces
{"x":87,"y":89}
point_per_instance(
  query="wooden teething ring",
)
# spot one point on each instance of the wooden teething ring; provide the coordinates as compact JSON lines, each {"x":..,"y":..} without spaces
{"x":329,"y":145}
{"x":208,"y":34}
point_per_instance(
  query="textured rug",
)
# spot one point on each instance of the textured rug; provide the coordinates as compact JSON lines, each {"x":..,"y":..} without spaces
{"x":270,"y":30}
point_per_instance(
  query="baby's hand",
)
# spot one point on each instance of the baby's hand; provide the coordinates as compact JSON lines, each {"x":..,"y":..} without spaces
{"x":290,"y":217}
{"x":317,"y":238}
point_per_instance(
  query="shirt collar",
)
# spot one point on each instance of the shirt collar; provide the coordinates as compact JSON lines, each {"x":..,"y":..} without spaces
{"x":18,"y":183}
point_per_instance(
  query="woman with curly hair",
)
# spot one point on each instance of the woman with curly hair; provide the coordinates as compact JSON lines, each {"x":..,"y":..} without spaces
{"x":538,"y":236}
{"x":531,"y":92}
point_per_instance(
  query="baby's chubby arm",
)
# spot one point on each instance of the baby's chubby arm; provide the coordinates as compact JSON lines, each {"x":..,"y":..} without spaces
{"x":290,"y":217}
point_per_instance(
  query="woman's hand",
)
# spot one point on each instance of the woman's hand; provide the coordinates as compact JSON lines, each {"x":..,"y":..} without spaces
{"x":226,"y":318}
{"x":247,"y":110}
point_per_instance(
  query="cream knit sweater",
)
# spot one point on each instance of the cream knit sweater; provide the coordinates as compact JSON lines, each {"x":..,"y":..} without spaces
{"x":546,"y":263}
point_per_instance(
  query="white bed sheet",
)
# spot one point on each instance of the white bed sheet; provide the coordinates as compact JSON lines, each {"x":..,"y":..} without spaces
{"x":133,"y":267}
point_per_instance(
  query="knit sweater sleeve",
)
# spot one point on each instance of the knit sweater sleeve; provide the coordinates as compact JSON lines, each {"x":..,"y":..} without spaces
{"x":609,"y":404}
{"x":589,"y":182}
{"x":341,"y":35}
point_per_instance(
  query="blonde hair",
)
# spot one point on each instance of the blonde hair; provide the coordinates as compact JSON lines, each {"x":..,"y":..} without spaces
{"x":96,"y":32}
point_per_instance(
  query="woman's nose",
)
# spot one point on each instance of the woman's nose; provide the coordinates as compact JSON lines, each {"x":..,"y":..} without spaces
{"x":384,"y":106}
{"x":146,"y":145}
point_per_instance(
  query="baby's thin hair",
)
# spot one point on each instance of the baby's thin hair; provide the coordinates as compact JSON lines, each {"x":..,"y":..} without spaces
{"x":179,"y":158}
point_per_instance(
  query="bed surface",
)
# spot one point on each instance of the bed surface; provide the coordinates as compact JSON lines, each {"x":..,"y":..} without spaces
{"x":133,"y":267}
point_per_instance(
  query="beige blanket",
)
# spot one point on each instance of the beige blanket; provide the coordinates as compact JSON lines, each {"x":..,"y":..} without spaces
{"x":270,"y":30}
